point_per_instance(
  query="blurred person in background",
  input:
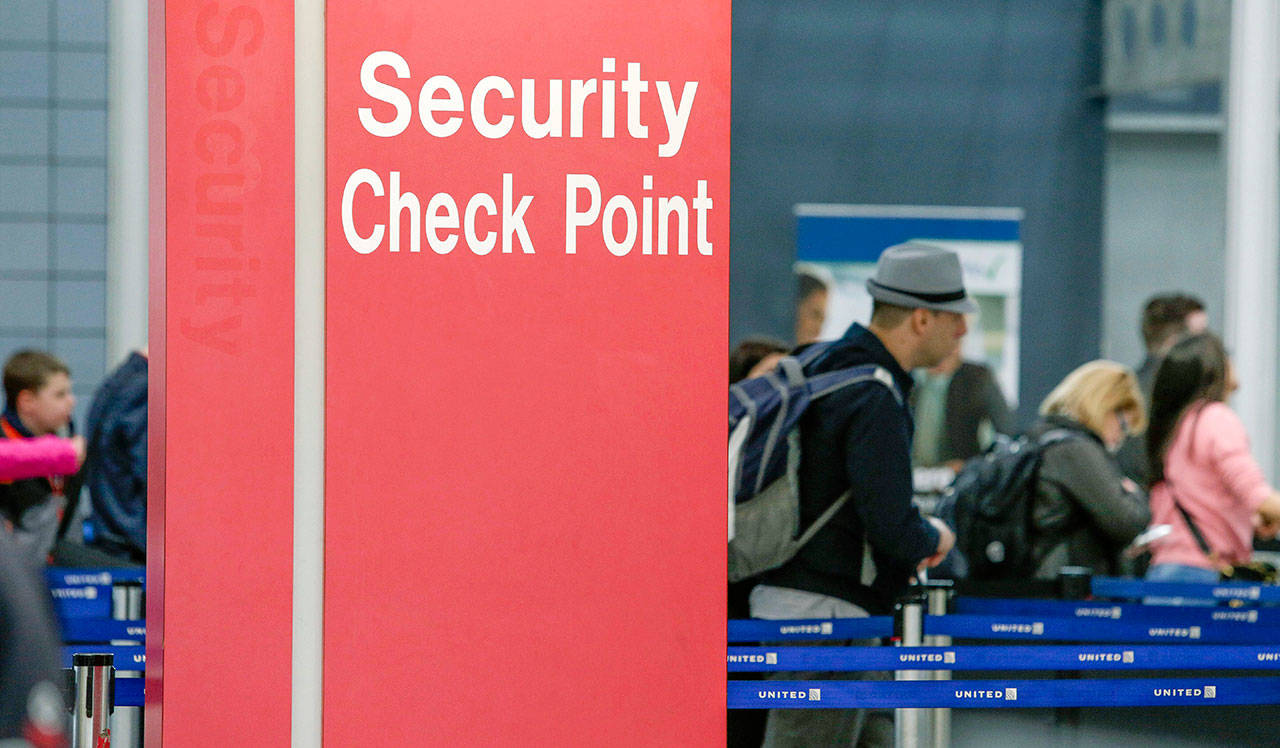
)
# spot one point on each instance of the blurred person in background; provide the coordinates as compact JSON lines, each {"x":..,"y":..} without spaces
{"x":958,"y":409}
{"x":1203,"y":474}
{"x":1084,"y":511}
{"x":117,"y":467}
{"x":33,"y":712}
{"x":1166,"y":318}
{"x":811,"y":308}
{"x":38,"y":402}
{"x":754,"y":356}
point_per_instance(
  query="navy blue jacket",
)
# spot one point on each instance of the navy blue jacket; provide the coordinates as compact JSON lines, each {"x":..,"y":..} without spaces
{"x":859,"y":438}
{"x":117,"y":461}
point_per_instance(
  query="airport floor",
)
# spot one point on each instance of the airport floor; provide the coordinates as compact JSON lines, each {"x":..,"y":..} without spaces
{"x":1164,"y":727}
{"x":1141,"y":727}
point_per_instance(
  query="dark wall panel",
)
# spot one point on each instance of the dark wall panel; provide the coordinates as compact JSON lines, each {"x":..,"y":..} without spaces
{"x":969,"y":102}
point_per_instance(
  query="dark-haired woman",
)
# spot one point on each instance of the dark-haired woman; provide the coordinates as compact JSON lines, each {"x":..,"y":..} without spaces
{"x":1198,"y":454}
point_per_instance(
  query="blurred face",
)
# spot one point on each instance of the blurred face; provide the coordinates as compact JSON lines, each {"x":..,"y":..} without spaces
{"x":940,"y":336}
{"x":811,"y":312}
{"x":1196,"y":322}
{"x":1115,"y":428}
{"x":47,"y":409}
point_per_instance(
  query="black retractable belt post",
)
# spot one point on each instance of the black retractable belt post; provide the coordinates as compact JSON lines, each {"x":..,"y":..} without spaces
{"x":908,"y":631}
{"x":94,"y":702}
{"x":1074,"y":583}
{"x":940,"y":593}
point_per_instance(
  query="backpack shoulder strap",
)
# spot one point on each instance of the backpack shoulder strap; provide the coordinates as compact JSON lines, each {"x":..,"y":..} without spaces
{"x":1054,"y":436}
{"x":831,"y":381}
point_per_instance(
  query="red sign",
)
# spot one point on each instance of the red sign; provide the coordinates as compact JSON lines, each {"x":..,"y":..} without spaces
{"x":220,"y":482}
{"x":527,"y":298}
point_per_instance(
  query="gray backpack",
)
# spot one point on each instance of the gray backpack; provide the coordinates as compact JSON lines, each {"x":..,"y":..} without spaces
{"x":764,"y":455}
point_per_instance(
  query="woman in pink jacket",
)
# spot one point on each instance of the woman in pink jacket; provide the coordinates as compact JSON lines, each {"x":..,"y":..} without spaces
{"x":39,"y":457}
{"x":1203,"y":476}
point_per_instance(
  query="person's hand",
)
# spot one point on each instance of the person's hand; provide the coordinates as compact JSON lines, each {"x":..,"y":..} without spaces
{"x":1265,"y":529}
{"x":78,"y":443}
{"x":946,"y":541}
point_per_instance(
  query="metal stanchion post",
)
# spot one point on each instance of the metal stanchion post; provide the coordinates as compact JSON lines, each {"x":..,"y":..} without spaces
{"x":127,"y":605}
{"x":1074,"y":583}
{"x":94,"y":702}
{"x":939,"y":592}
{"x":119,"y":600}
{"x":908,"y":625}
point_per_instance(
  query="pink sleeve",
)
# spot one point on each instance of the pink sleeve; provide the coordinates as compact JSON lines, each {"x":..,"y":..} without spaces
{"x":36,"y":457}
{"x":1221,"y":432}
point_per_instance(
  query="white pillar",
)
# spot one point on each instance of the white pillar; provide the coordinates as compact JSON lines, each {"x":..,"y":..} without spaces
{"x":127,"y":178}
{"x":308,"y":391}
{"x":1253,"y":218}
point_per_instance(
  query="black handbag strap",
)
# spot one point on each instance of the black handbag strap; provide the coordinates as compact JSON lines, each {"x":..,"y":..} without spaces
{"x":1191,"y":524}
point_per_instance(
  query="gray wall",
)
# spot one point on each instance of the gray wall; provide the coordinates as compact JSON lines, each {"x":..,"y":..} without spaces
{"x":973,"y":102}
{"x":53,"y":183}
{"x":1165,"y":207}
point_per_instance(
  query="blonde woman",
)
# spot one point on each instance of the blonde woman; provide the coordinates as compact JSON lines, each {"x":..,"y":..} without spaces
{"x":1085,"y":511}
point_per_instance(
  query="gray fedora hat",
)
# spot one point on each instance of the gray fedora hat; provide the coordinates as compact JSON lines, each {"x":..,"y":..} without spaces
{"x":919,"y":275}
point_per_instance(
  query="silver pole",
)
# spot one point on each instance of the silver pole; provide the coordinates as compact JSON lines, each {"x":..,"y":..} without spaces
{"x":909,"y":622}
{"x":119,"y":601}
{"x":126,"y":722}
{"x":939,"y":603}
{"x":127,"y":178}
{"x":95,"y":697}
{"x":308,"y":379}
{"x":1252,"y":221}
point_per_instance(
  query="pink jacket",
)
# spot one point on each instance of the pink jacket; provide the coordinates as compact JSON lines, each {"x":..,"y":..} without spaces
{"x":1216,"y":480}
{"x":36,"y":458}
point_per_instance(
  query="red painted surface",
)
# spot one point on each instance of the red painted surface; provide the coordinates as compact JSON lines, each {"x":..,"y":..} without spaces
{"x":220,"y":542}
{"x":156,"y":392}
{"x":525,"y":477}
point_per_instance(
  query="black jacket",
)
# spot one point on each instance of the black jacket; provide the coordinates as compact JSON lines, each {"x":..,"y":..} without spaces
{"x":1082,"y":515}
{"x":117,"y":464}
{"x":859,"y":438}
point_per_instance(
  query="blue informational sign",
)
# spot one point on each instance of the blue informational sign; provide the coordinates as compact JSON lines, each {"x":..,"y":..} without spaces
{"x":837,"y":247}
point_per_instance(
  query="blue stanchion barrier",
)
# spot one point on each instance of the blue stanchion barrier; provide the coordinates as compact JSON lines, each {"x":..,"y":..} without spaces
{"x":129,"y":692}
{"x":1036,"y":628}
{"x":101,"y":630}
{"x":759,"y":630}
{"x":67,"y":576}
{"x":1131,"y":612}
{"x":126,"y":657}
{"x":1093,"y":630}
{"x":1045,"y":657}
{"x":1209,"y":691}
{"x":1136,"y":589}
{"x":82,"y":601}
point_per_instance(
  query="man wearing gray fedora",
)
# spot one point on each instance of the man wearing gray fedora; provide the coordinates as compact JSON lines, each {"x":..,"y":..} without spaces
{"x":858,"y":440}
